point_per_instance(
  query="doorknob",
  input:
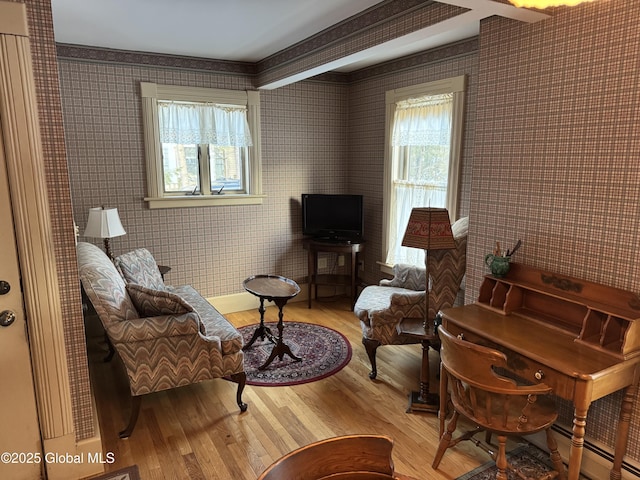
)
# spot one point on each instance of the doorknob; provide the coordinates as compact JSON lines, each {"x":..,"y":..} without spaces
{"x":4,"y":287}
{"x":7,"y":317}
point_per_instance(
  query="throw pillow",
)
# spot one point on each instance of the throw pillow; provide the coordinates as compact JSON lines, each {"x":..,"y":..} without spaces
{"x":151,"y":303}
{"x":140,"y":267}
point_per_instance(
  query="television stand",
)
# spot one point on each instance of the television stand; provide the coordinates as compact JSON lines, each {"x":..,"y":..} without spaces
{"x":334,"y":240}
{"x":313,"y":246}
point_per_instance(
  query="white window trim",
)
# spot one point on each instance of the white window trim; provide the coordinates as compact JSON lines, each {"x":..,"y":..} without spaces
{"x":151,"y":93}
{"x":455,"y":85}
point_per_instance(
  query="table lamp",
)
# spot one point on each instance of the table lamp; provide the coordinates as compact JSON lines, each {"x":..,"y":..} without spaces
{"x":429,"y":229}
{"x":104,"y":223}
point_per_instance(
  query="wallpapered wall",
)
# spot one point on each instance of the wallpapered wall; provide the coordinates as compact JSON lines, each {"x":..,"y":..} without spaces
{"x":214,"y":249}
{"x":306,"y":136}
{"x":550,"y":156}
{"x":556,"y":155}
{"x":45,"y":70}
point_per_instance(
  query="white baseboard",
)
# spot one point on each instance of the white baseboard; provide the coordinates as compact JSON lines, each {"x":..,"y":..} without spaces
{"x":68,"y":459}
{"x":594,"y":465}
{"x":239,"y":302}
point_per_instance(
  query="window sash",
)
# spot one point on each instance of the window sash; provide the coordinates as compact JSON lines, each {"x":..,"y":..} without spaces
{"x":250,"y":192}
{"x":431,"y":187}
{"x":231,"y":174}
{"x":195,"y":169}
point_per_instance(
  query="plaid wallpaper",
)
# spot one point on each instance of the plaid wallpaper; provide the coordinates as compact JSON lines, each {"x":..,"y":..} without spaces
{"x":550,"y":156}
{"x":556,"y":155}
{"x":50,"y":111}
{"x":213,"y":249}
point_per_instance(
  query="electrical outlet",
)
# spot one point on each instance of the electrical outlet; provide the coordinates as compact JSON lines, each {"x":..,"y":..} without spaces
{"x":322,"y":263}
{"x":340,"y":260}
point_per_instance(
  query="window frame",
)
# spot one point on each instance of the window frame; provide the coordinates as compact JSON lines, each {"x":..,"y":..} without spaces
{"x":454,"y":85}
{"x":156,"y":197}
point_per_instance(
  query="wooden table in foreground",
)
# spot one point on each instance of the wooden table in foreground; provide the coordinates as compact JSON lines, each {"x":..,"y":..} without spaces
{"x":580,"y":338}
{"x":278,"y":290}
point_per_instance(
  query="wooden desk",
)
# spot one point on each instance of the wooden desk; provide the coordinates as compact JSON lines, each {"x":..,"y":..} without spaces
{"x":578,"y":337}
{"x":314,"y":279}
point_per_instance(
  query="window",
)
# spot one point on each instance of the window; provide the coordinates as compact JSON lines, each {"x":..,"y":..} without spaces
{"x":202,"y":146}
{"x":422,"y":158}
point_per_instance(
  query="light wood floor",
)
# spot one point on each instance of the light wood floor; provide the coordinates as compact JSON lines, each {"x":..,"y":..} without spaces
{"x":197,"y":432}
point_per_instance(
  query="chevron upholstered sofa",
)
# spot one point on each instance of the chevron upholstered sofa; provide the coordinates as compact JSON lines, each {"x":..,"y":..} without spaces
{"x":381,"y":307}
{"x":166,"y":336}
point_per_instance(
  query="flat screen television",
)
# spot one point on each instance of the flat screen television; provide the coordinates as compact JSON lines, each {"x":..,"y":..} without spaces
{"x":337,"y":217}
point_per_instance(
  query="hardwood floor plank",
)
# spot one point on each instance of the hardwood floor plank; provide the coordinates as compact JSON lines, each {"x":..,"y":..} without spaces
{"x":197,"y":432}
{"x":192,"y":466}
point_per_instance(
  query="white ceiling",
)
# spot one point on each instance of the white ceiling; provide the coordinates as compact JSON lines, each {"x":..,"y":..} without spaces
{"x":248,"y":30}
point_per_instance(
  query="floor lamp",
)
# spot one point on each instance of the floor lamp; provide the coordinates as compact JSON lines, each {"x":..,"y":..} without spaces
{"x":430,"y":230}
{"x":104,"y":223}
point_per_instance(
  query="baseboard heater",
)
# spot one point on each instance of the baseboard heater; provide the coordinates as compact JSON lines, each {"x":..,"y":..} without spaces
{"x":596,"y":458}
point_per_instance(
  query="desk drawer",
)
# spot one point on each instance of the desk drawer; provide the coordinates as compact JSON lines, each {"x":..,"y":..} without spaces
{"x":524,"y":367}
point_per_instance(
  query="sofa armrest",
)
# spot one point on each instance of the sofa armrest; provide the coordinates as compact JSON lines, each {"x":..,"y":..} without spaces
{"x":148,"y":328}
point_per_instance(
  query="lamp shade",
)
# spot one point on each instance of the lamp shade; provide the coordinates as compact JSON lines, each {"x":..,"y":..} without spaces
{"x":103,"y":223}
{"x":429,"y":229}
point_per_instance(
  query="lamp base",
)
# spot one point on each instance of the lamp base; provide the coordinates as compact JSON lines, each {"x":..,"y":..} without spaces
{"x":427,"y":403}
{"x":107,"y":249}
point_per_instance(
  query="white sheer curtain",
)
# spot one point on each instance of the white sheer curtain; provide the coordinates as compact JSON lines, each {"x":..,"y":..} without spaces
{"x":193,"y":123}
{"x":418,"y":122}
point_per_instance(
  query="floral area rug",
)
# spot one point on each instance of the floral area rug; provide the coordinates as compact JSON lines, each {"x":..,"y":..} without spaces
{"x":532,"y":462}
{"x":323,"y":352}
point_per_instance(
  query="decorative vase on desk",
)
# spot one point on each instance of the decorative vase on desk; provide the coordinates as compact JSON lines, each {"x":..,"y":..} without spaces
{"x":499,"y":265}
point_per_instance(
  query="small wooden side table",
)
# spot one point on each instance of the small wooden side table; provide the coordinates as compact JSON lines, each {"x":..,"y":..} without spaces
{"x":421,"y":401}
{"x":353,"y":249}
{"x":278,"y":290}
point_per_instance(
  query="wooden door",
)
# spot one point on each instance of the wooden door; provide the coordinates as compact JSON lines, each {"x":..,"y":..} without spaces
{"x":21,"y":454}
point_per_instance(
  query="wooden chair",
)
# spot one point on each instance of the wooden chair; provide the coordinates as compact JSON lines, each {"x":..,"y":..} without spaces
{"x":349,"y":457}
{"x":494,"y":403}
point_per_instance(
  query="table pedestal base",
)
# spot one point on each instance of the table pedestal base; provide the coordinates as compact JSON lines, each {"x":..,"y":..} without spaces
{"x":279,"y":350}
{"x":277,"y":290}
{"x":262,"y":331}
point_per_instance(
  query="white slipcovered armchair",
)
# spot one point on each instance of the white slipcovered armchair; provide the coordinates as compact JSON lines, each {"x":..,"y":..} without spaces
{"x":381,"y":307}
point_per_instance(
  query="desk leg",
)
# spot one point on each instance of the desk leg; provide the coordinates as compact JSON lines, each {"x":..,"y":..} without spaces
{"x":577,"y":439}
{"x":626,"y":410}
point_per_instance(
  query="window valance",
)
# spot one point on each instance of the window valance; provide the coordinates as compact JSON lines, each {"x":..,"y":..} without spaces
{"x":193,"y":123}
{"x":423,"y":121}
